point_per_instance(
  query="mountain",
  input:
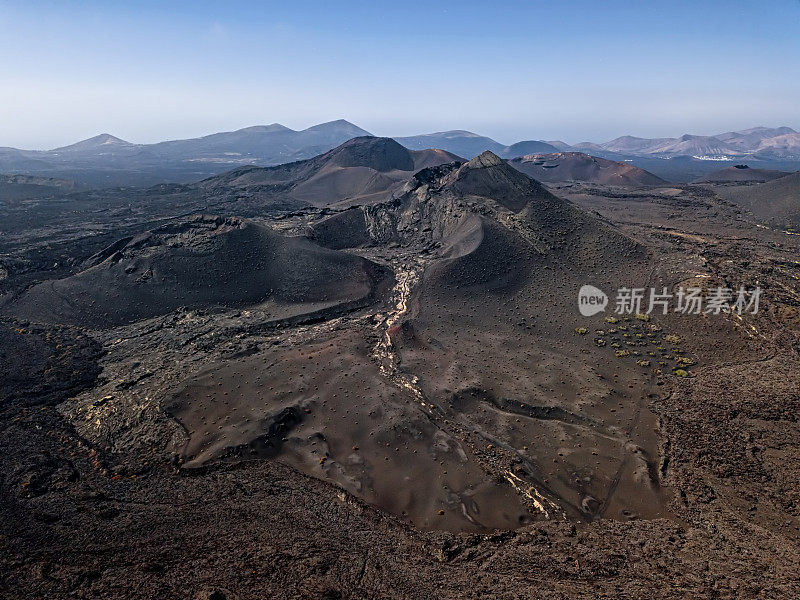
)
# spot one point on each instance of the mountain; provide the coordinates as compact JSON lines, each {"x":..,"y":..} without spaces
{"x":775,"y":142}
{"x":505,"y":246}
{"x":100,"y":143}
{"x":107,"y":161}
{"x":748,"y":138}
{"x":469,"y":145}
{"x":776,"y":201}
{"x":577,"y":166}
{"x":694,"y":145}
{"x":527,"y":147}
{"x":462,"y":143}
{"x":627,"y":144}
{"x":485,"y":249}
{"x":690,"y":145}
{"x":779,"y":146}
{"x":741,"y":174}
{"x":361,"y":169}
{"x":265,"y":145}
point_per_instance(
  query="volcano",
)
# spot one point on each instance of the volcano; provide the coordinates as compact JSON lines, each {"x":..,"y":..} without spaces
{"x":360,"y":170}
{"x":577,"y":166}
{"x":201,"y":262}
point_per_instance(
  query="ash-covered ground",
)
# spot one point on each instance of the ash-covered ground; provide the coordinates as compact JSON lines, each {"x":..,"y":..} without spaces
{"x":394,"y":394}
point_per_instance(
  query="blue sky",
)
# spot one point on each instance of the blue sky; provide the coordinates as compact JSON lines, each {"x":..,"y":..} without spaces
{"x":558,"y":69}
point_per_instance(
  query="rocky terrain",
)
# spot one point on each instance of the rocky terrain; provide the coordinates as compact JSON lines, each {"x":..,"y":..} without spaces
{"x":365,"y":375}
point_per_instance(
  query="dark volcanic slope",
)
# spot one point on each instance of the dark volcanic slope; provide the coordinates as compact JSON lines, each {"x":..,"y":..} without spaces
{"x":741,"y":174}
{"x":195,"y":263}
{"x":217,"y":454}
{"x":362,"y":169}
{"x":777,"y":201}
{"x":44,"y":365}
{"x":491,"y":339}
{"x":82,"y":223}
{"x":483,"y":342}
{"x":577,"y":166}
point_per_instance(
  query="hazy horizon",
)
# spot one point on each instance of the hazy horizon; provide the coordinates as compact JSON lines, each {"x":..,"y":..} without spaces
{"x":394,"y":135}
{"x":575,"y":71}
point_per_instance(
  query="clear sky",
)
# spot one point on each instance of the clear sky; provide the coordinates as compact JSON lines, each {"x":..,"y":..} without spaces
{"x":558,"y":69}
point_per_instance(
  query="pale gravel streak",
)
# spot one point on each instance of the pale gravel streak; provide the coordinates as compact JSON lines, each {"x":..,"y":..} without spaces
{"x":526,"y":490}
{"x":384,"y":352}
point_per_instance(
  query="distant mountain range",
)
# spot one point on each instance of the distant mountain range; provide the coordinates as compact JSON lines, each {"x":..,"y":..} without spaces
{"x":764,"y":142}
{"x":106,"y":160}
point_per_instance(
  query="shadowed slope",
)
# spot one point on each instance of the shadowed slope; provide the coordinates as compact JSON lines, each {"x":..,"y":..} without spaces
{"x":200,"y":262}
{"x":777,"y":201}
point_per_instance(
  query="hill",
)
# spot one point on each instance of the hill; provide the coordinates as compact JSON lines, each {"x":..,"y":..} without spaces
{"x":200,"y":262}
{"x":105,"y":142}
{"x":577,"y":166}
{"x":741,"y":174}
{"x":776,"y":201}
{"x":361,"y":169}
{"x":500,"y":247}
{"x":470,"y":145}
